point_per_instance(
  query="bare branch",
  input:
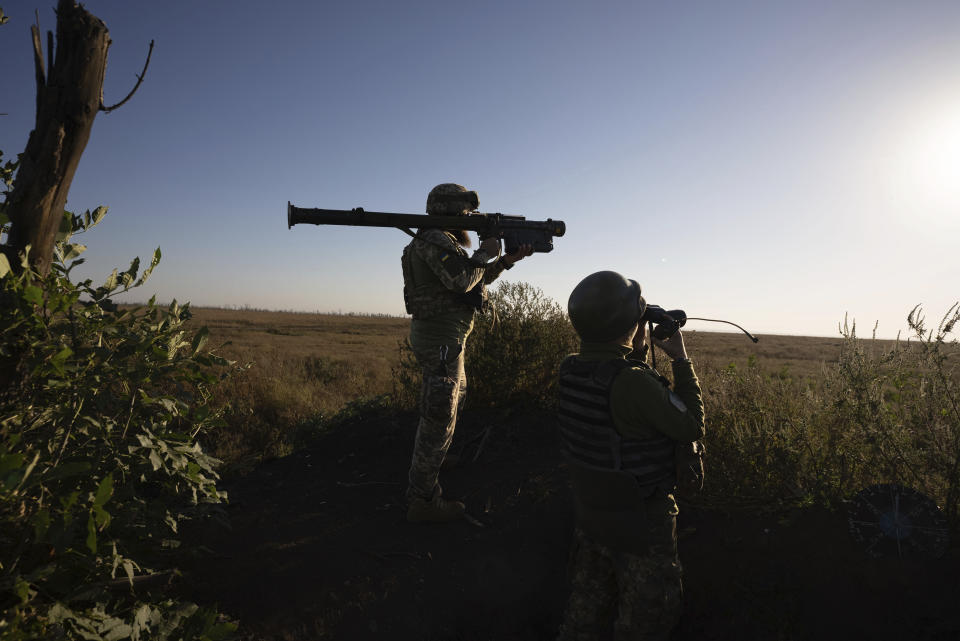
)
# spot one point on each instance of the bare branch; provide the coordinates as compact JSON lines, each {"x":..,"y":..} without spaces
{"x":38,"y":61}
{"x":50,"y":47}
{"x":135,"y":87}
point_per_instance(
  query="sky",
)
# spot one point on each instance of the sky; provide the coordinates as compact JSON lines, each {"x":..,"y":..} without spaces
{"x":780,"y":165}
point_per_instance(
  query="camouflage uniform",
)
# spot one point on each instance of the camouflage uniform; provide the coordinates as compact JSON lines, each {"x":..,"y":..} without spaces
{"x":625,"y":570}
{"x":438,"y":274}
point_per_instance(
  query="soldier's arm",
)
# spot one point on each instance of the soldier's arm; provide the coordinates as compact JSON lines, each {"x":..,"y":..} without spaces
{"x":494,"y":270}
{"x":640,"y":403}
{"x":455,"y":271}
{"x":507,"y":261}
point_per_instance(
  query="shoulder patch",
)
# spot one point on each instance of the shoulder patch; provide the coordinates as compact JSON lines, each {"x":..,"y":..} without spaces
{"x":676,"y":401}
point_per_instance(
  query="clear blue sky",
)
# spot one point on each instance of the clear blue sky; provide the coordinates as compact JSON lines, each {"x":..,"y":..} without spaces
{"x":778,"y":164}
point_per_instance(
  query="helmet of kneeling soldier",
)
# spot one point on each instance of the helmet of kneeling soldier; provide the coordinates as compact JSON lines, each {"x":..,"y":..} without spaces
{"x":604,"y":306}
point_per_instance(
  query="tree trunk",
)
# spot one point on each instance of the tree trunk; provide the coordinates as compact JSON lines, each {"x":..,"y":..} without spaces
{"x":67,"y":103}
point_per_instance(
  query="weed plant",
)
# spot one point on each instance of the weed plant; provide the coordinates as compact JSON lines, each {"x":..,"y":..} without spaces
{"x":881,"y":413}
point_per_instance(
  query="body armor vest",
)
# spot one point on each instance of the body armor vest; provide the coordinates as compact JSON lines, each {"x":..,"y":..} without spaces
{"x":588,"y":435}
{"x":424,"y":296}
{"x":612,"y":475}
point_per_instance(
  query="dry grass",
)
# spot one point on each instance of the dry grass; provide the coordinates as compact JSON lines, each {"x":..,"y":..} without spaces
{"x":319,"y":363}
{"x":790,"y":417}
{"x":303,"y":369}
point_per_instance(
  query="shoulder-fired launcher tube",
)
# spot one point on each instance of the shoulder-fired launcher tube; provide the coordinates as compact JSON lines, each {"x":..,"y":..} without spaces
{"x":515,"y":230}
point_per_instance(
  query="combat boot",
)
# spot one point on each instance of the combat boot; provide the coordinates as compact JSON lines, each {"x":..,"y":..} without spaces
{"x":434,"y":510}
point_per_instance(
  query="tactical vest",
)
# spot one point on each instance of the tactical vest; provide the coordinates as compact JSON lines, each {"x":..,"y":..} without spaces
{"x":612,"y":475}
{"x":425,"y":296}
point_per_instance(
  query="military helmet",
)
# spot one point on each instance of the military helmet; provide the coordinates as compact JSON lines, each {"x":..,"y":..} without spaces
{"x":451,"y":199}
{"x":604,"y":306}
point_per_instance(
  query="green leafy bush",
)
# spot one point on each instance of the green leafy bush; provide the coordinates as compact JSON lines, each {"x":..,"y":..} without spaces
{"x":100,"y":408}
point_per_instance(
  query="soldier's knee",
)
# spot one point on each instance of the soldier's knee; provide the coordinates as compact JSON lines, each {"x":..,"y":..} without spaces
{"x":439,"y":396}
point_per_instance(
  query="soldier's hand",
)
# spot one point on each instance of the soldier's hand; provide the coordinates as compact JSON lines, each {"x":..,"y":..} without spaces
{"x":673,"y":346}
{"x":522,"y":252}
{"x":639,"y":340}
{"x":491,"y":246}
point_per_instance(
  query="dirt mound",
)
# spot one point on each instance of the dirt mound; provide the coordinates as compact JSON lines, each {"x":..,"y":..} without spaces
{"x":319,"y":549}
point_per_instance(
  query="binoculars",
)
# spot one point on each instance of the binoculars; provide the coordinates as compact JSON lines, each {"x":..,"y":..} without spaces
{"x":666,"y":323}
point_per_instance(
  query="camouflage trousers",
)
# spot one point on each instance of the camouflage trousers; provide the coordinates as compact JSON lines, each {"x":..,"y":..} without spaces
{"x":639,"y":594}
{"x":441,"y":397}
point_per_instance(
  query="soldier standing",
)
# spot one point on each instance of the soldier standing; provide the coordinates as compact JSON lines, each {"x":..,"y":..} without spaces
{"x":443,"y":288}
{"x":620,"y":425}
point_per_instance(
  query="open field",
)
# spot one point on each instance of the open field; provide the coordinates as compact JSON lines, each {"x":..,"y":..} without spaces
{"x":304,"y":368}
{"x":252,"y":334}
{"x":371,"y":342}
{"x":796,"y":426}
{"x":316,"y":350}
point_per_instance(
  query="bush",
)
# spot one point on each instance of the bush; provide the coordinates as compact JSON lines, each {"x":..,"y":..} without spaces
{"x":100,"y":409}
{"x":512,"y":355}
{"x":877,"y":415}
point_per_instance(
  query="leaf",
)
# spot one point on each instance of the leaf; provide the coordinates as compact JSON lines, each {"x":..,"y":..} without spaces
{"x":141,"y":621}
{"x":199,"y":339}
{"x":155,"y":460}
{"x":148,"y":270}
{"x":65,"y":230}
{"x":128,"y":568}
{"x":67,"y":470}
{"x":98,"y":215}
{"x":104,"y":492}
{"x":41,"y":523}
{"x":4,"y":265}
{"x":33,"y":294}
{"x":29,"y":470}
{"x":131,"y":273}
{"x":114,"y":630}
{"x":60,"y":358}
{"x":173,"y":344}
{"x":79,"y":261}
{"x":11,"y":462}
{"x":92,"y":534}
{"x":171,"y":522}
{"x":111,"y":283}
{"x":72,"y":251}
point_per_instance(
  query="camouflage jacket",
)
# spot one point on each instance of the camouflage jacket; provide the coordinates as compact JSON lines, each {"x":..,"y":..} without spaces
{"x":438,"y":274}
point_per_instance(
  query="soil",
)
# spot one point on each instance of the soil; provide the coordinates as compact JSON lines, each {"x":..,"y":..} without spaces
{"x":319,"y":548}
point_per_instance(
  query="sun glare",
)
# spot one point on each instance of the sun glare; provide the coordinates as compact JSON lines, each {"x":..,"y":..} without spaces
{"x":930,"y":171}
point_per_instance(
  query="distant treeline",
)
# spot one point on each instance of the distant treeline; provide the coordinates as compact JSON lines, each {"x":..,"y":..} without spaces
{"x":251,"y":308}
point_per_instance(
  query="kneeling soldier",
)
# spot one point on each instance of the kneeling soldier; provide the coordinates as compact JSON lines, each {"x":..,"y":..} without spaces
{"x":620,"y":425}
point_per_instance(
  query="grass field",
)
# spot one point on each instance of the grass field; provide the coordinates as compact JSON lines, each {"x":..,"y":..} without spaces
{"x":277,"y":341}
{"x":301,"y":369}
{"x":796,"y":426}
{"x":789,"y":417}
{"x":304,"y":366}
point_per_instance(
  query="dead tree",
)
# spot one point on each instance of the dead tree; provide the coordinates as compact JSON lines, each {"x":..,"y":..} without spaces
{"x":69,"y":95}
